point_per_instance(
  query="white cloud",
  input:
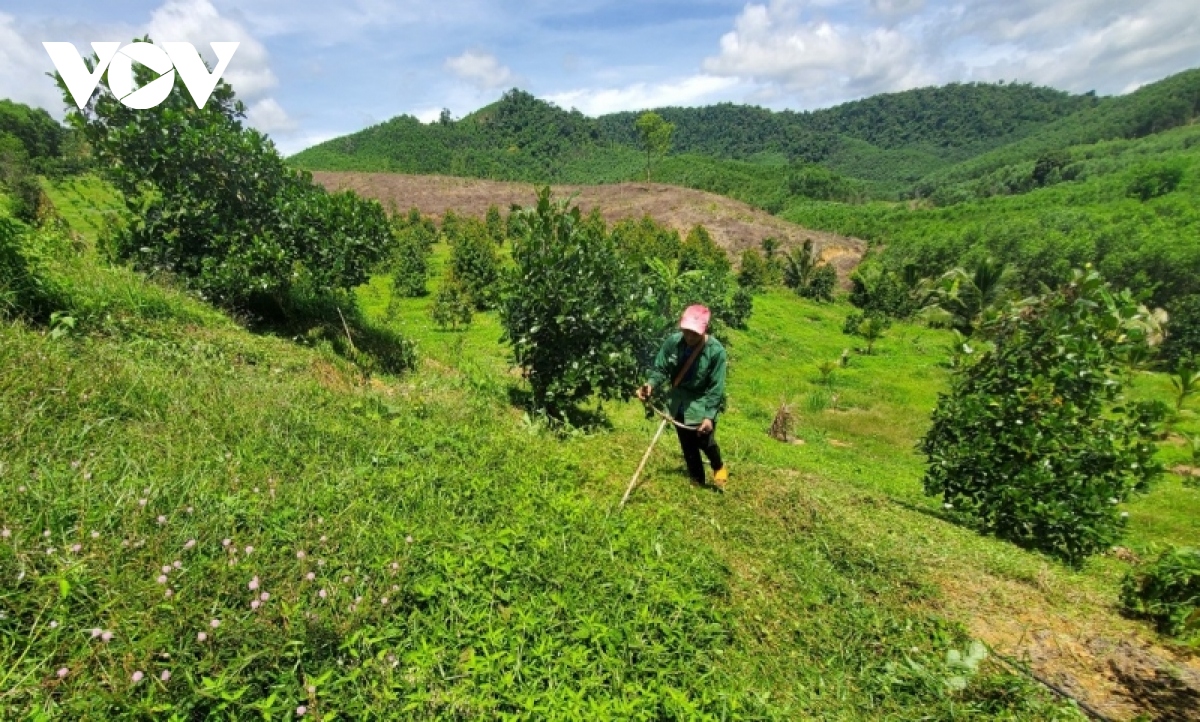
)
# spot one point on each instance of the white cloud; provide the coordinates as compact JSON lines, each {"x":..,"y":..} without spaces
{"x":199,"y":23}
{"x":802,"y":50}
{"x":686,"y":91}
{"x":481,"y":69}
{"x":269,"y":117}
{"x":24,"y":64}
{"x":817,"y":59}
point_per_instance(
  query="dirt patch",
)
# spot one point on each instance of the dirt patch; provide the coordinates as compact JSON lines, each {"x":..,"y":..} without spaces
{"x":734,"y":225}
{"x":1184,"y":470}
{"x":1101,"y":660}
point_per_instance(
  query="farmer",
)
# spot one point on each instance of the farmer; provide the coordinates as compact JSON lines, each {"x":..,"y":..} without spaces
{"x":693,"y":363}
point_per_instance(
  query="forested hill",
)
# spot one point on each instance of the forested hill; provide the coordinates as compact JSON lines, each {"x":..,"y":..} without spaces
{"x":887,"y":146}
{"x":523,"y":138}
{"x":938,"y":119}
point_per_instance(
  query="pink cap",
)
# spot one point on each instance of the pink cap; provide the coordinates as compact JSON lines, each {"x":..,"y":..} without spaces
{"x":695,"y":318}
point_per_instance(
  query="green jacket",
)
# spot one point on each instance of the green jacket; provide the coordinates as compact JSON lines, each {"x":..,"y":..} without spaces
{"x":701,"y":395}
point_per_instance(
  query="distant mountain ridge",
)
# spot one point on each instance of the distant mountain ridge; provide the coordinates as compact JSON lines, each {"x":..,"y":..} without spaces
{"x":890,"y":142}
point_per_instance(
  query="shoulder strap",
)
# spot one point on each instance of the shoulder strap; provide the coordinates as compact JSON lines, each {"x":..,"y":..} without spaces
{"x":688,"y":364}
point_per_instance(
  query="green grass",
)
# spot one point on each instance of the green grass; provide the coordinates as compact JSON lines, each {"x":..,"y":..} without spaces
{"x":823,"y":585}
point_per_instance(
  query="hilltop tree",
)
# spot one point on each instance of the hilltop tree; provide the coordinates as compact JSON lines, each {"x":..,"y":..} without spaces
{"x":654,"y":133}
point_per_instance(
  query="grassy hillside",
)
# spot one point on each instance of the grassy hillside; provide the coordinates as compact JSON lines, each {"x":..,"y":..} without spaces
{"x":416,"y":546}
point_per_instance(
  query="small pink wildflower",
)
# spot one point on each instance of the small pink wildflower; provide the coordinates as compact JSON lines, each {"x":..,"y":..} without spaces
{"x":166,"y":675}
{"x":75,"y":548}
{"x":46,"y":533}
{"x":395,"y":587}
{"x":106,"y":636}
{"x":395,"y":566}
{"x":215,"y":623}
{"x":146,"y":490}
{"x":190,"y":510}
{"x":190,"y":543}
{"x":96,"y":632}
{"x":253,"y":583}
{"x":53,"y":624}
{"x":63,"y":672}
{"x":177,"y":564}
{"x":310,"y":576}
{"x":162,"y":579}
{"x":168,"y":594}
{"x":142,"y":502}
{"x":320,"y":520}
{"x":300,"y":554}
{"x":161,"y":519}
{"x":95,"y":535}
{"x":249,"y":549}
{"x":5,"y":533}
{"x":301,"y":711}
{"x":264,"y":596}
{"x":324,"y":538}
{"x":166,"y":569}
{"x":137,"y":676}
{"x":408,"y":539}
{"x":201,"y":636}
{"x":383,"y":601}
{"x":321,"y":594}
{"x":311,"y":689}
{"x":346,"y":580}
{"x":255,"y":604}
{"x":21,"y":488}
{"x":226,"y":542}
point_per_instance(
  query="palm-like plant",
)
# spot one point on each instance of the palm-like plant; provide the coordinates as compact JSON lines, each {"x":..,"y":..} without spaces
{"x":669,"y":281}
{"x":1186,"y":382}
{"x":799,"y":265}
{"x":966,"y":296}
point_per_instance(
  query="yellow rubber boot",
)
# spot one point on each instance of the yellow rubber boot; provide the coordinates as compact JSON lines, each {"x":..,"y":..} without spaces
{"x":720,"y":476}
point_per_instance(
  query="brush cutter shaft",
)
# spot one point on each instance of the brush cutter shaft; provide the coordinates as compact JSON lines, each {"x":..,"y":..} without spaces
{"x":645,"y":457}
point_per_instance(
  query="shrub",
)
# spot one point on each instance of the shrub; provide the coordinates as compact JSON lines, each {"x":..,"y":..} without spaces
{"x":754,"y":273}
{"x":215,"y":205}
{"x":821,"y":284}
{"x":740,"y":308}
{"x":573,"y":309}
{"x":869,"y":326}
{"x":1032,"y":441}
{"x":496,"y":229}
{"x":452,"y":306}
{"x":700,"y":252}
{"x":1154,"y":180}
{"x":880,"y":290}
{"x":1167,"y":591}
{"x":410,"y":264}
{"x":474,"y":262}
{"x":24,"y":291}
{"x":1183,"y":329}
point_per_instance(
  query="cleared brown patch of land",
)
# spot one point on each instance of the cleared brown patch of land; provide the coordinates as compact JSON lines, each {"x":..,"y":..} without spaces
{"x":734,"y":225}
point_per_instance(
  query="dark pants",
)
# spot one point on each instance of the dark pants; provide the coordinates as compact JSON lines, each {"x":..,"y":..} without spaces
{"x":692,"y":444}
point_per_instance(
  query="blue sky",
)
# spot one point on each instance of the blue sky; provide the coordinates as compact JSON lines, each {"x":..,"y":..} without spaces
{"x":311,"y":69}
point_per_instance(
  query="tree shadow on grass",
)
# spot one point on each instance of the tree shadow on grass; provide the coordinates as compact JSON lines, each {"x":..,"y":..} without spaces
{"x":334,"y":317}
{"x":565,"y":422}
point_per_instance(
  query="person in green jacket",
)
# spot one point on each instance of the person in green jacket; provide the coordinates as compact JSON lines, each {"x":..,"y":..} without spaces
{"x":697,"y":392}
